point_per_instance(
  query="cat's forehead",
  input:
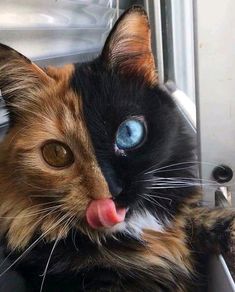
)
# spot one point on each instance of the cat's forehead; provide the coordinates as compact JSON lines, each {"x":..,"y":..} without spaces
{"x":57,"y":112}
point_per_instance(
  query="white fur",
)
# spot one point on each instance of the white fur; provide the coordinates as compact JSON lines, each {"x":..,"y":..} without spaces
{"x":136,"y":224}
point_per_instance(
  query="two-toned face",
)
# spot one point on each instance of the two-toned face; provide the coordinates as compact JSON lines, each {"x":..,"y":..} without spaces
{"x":90,"y":146}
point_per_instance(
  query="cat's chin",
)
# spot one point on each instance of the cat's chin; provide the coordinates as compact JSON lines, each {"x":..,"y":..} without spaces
{"x":137,"y":223}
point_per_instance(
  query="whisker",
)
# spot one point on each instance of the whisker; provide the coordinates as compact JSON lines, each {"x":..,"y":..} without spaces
{"x":155,"y":202}
{"x":193,"y":163}
{"x":190,"y":179}
{"x":183,"y":182}
{"x":32,"y":246}
{"x":33,"y":213}
{"x":173,"y":187}
{"x":38,"y":205}
{"x":171,"y":182}
{"x":45,"y":196}
{"x":74,"y":233}
{"x":47,"y":264}
{"x":176,"y":169}
{"x":177,"y":178}
{"x":52,"y":250}
{"x":40,"y":188}
{"x":2,"y":263}
{"x":158,"y":197}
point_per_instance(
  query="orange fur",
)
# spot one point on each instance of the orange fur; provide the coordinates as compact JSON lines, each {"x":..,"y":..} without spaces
{"x":56,"y":113}
{"x":130,"y":49}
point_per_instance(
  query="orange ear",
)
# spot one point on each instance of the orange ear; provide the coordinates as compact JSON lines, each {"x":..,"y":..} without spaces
{"x":128,"y":47}
{"x":19,"y":77}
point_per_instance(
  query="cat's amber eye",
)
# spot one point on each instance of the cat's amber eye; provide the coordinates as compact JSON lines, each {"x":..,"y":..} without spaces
{"x":57,"y":154}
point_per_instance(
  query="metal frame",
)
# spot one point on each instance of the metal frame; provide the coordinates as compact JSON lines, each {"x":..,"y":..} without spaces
{"x":173,"y":35}
{"x":183,"y":45}
{"x":153,"y":8}
{"x":215,"y":75}
{"x":220,"y":279}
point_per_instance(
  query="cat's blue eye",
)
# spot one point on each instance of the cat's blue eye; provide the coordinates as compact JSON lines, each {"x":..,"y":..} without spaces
{"x":130,"y":134}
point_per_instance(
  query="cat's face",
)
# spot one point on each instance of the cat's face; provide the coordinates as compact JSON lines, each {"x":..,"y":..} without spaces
{"x":89,"y":144}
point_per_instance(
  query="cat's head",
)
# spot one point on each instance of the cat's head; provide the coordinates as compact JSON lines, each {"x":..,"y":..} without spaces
{"x":92,"y":146}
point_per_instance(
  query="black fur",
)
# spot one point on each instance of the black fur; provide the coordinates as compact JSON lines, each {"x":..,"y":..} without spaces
{"x":69,"y":268}
{"x":109,"y":99}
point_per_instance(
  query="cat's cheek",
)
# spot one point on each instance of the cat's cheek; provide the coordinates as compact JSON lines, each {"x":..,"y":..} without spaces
{"x":76,"y":202}
{"x":57,"y":231}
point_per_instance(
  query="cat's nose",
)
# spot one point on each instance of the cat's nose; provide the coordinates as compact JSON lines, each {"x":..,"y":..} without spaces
{"x":114,"y":183}
{"x":115,"y":187}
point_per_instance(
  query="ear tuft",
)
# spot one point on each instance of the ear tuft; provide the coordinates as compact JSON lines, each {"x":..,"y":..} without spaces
{"x":19,"y":77}
{"x":128,"y":47}
{"x":6,"y":52}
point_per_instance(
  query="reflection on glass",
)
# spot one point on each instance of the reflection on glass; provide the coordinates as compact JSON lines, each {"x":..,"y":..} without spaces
{"x":47,"y":14}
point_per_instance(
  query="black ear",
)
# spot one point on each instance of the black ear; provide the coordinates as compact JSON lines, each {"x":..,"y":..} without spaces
{"x":19,"y":77}
{"x":128,"y":47}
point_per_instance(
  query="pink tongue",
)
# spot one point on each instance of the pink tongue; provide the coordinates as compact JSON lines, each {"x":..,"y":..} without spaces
{"x":104,"y":213}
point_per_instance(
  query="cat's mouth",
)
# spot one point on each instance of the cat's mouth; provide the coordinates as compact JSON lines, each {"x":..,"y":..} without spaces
{"x":104,"y":214}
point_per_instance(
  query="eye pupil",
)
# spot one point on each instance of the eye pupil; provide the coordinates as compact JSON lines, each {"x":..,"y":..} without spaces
{"x":130,"y":134}
{"x":57,"y":154}
{"x":128,"y":130}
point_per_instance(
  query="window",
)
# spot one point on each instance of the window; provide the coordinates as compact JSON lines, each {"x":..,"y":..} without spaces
{"x":194,"y":45}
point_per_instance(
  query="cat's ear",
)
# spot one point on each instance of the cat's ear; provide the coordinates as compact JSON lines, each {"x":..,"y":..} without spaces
{"x":19,"y":77}
{"x":128,"y":46}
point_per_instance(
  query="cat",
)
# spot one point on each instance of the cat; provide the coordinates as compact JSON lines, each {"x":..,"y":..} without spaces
{"x":97,"y":175}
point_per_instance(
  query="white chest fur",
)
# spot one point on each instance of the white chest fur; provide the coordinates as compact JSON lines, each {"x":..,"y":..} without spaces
{"x":137,"y":223}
